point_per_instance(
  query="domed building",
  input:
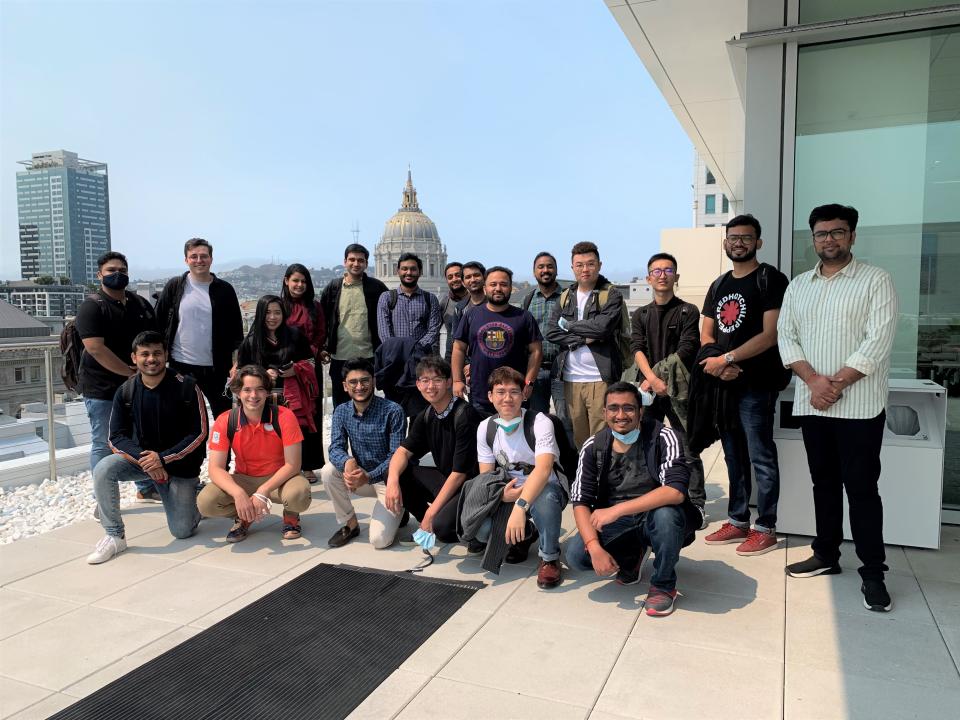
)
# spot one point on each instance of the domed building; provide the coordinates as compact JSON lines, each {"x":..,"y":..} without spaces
{"x":410,"y":230}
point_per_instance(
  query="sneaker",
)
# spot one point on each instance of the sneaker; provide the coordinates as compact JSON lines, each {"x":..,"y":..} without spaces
{"x":549,"y":574}
{"x":344,"y":535}
{"x":238,"y":532}
{"x":811,"y":567}
{"x":875,"y":596}
{"x":727,"y":534}
{"x":631,"y":576}
{"x":660,"y":602}
{"x":291,"y":527}
{"x":107,"y":547}
{"x":518,"y":553}
{"x":758,"y":542}
{"x":475,"y":547}
{"x":150,"y":496}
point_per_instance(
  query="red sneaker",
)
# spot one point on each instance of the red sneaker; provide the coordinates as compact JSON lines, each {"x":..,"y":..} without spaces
{"x":758,"y":542}
{"x":727,"y":534}
{"x":659,"y":602}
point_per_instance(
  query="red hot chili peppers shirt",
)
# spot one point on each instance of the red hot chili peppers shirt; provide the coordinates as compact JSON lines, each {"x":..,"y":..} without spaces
{"x":737,"y":306}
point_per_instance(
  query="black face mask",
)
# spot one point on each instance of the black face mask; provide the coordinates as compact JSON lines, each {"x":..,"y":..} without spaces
{"x":116,"y":281}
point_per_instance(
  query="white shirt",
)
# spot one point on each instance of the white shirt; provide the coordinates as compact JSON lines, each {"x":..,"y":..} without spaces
{"x":514,"y":446}
{"x":848,"y":319}
{"x":580,"y":365}
{"x":193,"y":343}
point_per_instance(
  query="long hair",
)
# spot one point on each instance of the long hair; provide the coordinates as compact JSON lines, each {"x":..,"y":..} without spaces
{"x":258,"y":332}
{"x":308,"y":296}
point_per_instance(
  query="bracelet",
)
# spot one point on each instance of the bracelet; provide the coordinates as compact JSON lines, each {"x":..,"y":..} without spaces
{"x":264,"y":499}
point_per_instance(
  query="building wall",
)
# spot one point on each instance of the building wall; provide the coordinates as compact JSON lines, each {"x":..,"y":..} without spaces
{"x":708,"y":195}
{"x":700,"y":259}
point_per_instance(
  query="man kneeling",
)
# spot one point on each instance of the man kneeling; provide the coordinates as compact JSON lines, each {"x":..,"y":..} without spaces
{"x":265,"y":439}
{"x":630,"y":496}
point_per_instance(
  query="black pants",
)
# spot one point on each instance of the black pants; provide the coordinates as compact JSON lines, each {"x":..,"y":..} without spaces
{"x":210,"y":382}
{"x":419,"y":486}
{"x":845,"y":454}
{"x":661,"y":408}
{"x":336,"y":381}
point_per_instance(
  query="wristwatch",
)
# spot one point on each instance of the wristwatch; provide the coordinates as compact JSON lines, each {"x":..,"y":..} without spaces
{"x":522,"y":504}
{"x":728,"y":358}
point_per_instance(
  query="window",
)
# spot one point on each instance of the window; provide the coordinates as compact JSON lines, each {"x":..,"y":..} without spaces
{"x":711,"y":180}
{"x":19,"y":375}
{"x":35,"y":374}
{"x":726,"y":205}
{"x":710,"y":204}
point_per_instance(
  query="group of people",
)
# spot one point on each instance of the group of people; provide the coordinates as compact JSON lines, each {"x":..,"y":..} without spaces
{"x":526,"y":408}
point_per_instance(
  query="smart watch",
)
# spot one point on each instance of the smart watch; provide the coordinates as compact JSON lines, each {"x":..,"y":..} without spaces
{"x":522,"y":504}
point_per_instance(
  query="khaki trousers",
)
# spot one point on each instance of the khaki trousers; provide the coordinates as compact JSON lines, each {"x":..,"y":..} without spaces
{"x":294,"y":495}
{"x":585,"y":406}
{"x":383,"y":523}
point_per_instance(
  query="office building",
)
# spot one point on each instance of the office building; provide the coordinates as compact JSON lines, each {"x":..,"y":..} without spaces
{"x":39,"y":301}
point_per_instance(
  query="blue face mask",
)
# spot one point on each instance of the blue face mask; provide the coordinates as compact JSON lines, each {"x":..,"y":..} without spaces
{"x":508,"y":425}
{"x":425,"y":539}
{"x":630,"y":438}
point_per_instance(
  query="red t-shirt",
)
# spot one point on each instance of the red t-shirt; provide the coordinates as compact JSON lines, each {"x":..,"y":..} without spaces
{"x":258,"y":450}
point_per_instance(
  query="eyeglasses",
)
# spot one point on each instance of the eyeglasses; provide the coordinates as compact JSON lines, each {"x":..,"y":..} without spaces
{"x":435,"y":381}
{"x":589,"y":265}
{"x":356,"y":382}
{"x":836,"y":234}
{"x":660,"y":272}
{"x":742,"y":239}
{"x":625,"y":409}
{"x":500,"y":394}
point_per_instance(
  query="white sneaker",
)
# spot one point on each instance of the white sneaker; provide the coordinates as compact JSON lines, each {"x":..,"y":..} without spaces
{"x":106,"y":549}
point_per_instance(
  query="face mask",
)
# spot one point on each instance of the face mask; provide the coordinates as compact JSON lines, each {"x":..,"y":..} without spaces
{"x":508,"y":425}
{"x":646,"y":398}
{"x":630,"y":438}
{"x":116,"y":281}
{"x":425,"y":539}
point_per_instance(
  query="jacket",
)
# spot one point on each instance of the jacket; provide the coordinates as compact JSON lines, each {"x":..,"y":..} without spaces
{"x":227,"y":318}
{"x":682,"y":337}
{"x":597,"y":330}
{"x":177,"y":433}
{"x":714,"y":404}
{"x":481,"y":495}
{"x":675,"y":374}
{"x":301,"y":392}
{"x":330,"y":302}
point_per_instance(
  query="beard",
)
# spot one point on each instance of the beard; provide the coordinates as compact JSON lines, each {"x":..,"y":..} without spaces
{"x":499,"y":299}
{"x":746,"y":257}
{"x":546,"y":278}
{"x":409,"y":283}
{"x":842,"y":255}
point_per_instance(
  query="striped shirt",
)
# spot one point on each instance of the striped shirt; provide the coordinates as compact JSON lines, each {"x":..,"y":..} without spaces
{"x":848,"y":319}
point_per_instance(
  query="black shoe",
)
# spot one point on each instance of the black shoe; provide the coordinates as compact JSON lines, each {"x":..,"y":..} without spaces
{"x":811,"y":567}
{"x":631,"y":576}
{"x":405,"y":519}
{"x":344,"y":535}
{"x":238,"y":532}
{"x":875,"y":596}
{"x":475,"y":547}
{"x":518,"y":553}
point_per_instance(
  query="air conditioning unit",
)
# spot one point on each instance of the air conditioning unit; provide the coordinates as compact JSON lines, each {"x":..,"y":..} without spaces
{"x":911,"y":460}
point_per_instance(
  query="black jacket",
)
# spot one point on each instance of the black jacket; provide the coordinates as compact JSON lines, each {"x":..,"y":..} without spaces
{"x":227,"y":319}
{"x":177,"y":432}
{"x":714,"y":404}
{"x":600,"y":326}
{"x":330,"y":302}
{"x":682,"y":337}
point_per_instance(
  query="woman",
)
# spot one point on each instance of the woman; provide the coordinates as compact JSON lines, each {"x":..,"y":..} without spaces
{"x":304,"y":314}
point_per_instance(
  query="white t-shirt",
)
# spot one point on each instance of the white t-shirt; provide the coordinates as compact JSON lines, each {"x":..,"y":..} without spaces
{"x":514,"y":446}
{"x":193,"y":343}
{"x":580,"y":365}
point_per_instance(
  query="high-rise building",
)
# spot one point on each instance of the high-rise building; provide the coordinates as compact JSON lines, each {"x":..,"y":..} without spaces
{"x":63,"y":203}
{"x":710,"y":205}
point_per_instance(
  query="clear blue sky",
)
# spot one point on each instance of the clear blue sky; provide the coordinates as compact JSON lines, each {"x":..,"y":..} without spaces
{"x":271,"y":127}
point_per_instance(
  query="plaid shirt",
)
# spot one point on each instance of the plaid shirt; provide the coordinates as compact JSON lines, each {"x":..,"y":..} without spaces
{"x":541,"y":308}
{"x":416,"y":316}
{"x":373,"y":436}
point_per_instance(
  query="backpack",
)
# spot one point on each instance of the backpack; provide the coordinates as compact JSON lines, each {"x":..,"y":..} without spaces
{"x":623,"y":333}
{"x":270,"y":414}
{"x":568,"y":454}
{"x":392,"y":300}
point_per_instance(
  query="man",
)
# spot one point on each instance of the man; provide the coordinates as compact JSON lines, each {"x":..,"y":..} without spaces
{"x":534,"y":487}
{"x":630,"y":497}
{"x":541,"y":301}
{"x":265,"y":441}
{"x":157,"y":429}
{"x":473,"y":276}
{"x":836,"y":331}
{"x":495,"y":335}
{"x":588,"y":333}
{"x":409,"y":312}
{"x":665,"y":341}
{"x":740,"y":318}
{"x":447,"y":430}
{"x":350,"y":309}
{"x":200,"y":317}
{"x":374,"y":427}
{"x":456,"y":292}
{"x":107,"y":323}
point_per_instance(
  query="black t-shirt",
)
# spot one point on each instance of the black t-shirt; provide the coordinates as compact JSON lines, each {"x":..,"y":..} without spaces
{"x":452,"y":439}
{"x":737,"y":306}
{"x":628,"y":477}
{"x":118,"y":324}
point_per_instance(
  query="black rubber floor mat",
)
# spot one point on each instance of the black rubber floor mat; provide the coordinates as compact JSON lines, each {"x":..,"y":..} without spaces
{"x":312,"y":649}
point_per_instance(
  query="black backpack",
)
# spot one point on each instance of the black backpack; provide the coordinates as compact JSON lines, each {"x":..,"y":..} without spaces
{"x":270,"y":414}
{"x":568,"y":455}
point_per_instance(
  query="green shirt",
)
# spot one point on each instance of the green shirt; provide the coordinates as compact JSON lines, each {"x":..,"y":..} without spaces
{"x":353,"y":334}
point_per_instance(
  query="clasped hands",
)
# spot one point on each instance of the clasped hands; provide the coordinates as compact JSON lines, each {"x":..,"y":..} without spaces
{"x":825,"y":390}
{"x":151,"y":464}
{"x":718,"y":367}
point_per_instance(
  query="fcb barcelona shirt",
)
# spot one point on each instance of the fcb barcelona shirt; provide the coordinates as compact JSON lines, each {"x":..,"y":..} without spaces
{"x":737,"y":306}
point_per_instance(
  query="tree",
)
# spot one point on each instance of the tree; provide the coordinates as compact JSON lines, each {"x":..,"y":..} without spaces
{"x":44,"y":280}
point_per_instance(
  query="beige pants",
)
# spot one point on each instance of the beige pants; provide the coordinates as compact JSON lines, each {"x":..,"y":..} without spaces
{"x":585,"y":405}
{"x":294,"y":495}
{"x":383,"y":523}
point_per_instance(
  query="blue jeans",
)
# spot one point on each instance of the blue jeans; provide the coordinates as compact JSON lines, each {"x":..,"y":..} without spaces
{"x":545,"y":512}
{"x":179,"y":496}
{"x":546,"y":388}
{"x":98,"y":412}
{"x":753,"y":444}
{"x":661,"y":529}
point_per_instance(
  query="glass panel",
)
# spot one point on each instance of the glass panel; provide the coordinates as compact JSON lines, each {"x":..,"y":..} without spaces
{"x":892,"y":150}
{"x":710,"y":206}
{"x":711,"y":180}
{"x":824,"y":10}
